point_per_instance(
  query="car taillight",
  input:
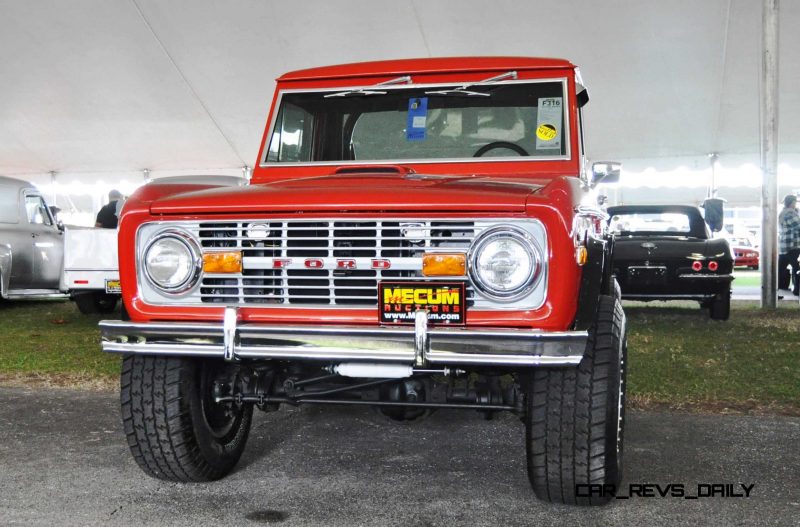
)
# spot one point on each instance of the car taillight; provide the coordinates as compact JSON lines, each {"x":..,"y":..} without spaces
{"x":713,"y":266}
{"x":696,"y":266}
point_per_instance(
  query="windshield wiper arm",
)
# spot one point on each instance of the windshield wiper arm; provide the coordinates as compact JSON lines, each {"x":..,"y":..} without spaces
{"x":463,"y":91}
{"x":405,"y":79}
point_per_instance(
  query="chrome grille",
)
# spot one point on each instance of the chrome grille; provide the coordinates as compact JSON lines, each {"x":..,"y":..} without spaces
{"x":400,"y":242}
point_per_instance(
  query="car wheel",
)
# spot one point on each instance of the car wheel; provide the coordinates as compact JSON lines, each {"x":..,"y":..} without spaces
{"x":720,"y":306}
{"x":85,"y":303}
{"x":105,"y":302}
{"x":95,"y":302}
{"x":175,"y":430}
{"x":574,"y":417}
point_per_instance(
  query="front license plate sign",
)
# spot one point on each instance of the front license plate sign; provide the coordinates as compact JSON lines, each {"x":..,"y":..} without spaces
{"x":444,"y":302}
{"x":112,"y":286}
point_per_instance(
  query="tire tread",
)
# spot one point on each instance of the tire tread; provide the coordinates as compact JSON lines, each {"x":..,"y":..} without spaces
{"x":567,"y":428}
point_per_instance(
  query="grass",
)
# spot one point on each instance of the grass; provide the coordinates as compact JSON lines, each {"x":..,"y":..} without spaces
{"x":678,"y":357}
{"x":52,"y":342}
{"x":746,"y":278}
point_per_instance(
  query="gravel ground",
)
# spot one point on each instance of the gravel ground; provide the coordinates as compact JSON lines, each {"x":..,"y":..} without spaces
{"x":64,"y":461}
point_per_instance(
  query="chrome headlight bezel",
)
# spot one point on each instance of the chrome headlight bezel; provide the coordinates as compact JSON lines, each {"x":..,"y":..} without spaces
{"x":526,"y":241}
{"x":194,"y":253}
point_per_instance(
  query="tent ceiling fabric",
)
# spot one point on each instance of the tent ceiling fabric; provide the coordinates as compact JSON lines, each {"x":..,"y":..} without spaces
{"x":106,"y":85}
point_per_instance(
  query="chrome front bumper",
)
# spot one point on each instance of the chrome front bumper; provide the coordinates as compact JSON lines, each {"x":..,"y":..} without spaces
{"x":419,"y":345}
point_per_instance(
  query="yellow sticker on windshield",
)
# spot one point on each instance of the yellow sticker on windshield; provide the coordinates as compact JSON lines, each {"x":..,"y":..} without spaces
{"x":546,"y":132}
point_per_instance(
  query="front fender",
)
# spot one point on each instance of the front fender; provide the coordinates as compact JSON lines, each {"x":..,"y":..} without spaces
{"x":596,"y":279}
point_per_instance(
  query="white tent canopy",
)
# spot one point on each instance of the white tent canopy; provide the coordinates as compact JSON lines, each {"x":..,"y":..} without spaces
{"x":101,"y":89}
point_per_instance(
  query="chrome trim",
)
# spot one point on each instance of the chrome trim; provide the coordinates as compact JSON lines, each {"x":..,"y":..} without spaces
{"x":20,"y":294}
{"x":229,"y":333}
{"x":472,"y":227}
{"x":422,"y":343}
{"x":84,"y":270}
{"x":263,"y":163}
{"x":706,"y":276}
{"x":667,"y":296}
{"x":407,"y":344}
{"x":194,"y":251}
{"x":528,"y":243}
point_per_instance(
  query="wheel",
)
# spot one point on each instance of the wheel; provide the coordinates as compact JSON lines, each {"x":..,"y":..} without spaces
{"x":95,"y":302}
{"x":720,"y":307}
{"x":754,"y":267}
{"x":500,"y":144}
{"x":175,"y":430}
{"x":85,"y":303}
{"x":105,"y":302}
{"x":574,"y":417}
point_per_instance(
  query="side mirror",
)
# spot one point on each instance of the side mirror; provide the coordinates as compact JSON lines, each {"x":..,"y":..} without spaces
{"x":714,"y":213}
{"x":605,"y":172}
{"x":60,"y":225}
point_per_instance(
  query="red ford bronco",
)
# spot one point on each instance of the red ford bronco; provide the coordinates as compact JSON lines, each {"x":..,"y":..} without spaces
{"x":417,"y":234}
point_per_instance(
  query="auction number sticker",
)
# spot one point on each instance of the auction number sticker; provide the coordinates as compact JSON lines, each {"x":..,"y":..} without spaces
{"x":400,"y":301}
{"x":548,"y":123}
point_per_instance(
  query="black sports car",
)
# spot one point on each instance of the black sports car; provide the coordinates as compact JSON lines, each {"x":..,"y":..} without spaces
{"x":665,"y":252}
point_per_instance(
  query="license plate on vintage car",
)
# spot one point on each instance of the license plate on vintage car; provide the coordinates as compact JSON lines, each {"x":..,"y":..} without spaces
{"x":647,"y":275}
{"x":445,"y":303}
{"x":112,"y":286}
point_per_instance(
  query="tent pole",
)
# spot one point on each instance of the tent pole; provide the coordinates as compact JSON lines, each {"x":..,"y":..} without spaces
{"x":769,"y":154}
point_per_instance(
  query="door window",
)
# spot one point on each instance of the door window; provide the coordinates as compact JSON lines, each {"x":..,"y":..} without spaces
{"x":37,"y":211}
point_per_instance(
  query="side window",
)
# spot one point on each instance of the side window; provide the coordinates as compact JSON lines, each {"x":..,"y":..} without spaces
{"x":36,"y":210}
{"x":292,"y":136}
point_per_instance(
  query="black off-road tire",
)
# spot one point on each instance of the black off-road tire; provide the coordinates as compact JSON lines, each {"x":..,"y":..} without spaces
{"x":166,"y":411}
{"x":85,"y":303}
{"x":720,"y":307}
{"x":95,"y":302}
{"x":574,"y":417}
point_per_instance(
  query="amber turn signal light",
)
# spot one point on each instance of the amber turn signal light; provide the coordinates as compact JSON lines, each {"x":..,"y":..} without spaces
{"x":441,"y":264}
{"x":227,"y":262}
{"x":581,"y":255}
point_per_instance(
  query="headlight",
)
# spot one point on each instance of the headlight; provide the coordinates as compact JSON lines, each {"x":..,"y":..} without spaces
{"x":505,"y":263}
{"x":172,"y":261}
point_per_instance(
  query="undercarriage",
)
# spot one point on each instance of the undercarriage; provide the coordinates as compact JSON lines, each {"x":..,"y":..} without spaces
{"x":269,"y":385}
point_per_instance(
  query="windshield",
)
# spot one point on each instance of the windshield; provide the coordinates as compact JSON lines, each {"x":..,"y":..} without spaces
{"x":509,"y":120}
{"x":668,"y":222}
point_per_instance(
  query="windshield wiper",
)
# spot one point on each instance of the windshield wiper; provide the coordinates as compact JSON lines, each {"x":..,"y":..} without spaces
{"x":462,"y":90}
{"x":406,"y":79}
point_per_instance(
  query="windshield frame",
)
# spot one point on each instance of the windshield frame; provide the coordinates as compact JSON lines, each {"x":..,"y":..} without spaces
{"x":567,"y":130}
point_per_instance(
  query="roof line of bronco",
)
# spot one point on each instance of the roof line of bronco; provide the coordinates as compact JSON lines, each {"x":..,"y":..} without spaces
{"x":425,"y":65}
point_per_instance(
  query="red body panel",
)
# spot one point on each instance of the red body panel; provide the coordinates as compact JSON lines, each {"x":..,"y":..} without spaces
{"x":547,"y":190}
{"x":371,"y":192}
{"x":439,"y":65}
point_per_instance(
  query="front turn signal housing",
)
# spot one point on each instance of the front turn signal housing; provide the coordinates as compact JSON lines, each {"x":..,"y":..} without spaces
{"x":581,"y":255}
{"x":222,"y":262}
{"x":444,"y":264}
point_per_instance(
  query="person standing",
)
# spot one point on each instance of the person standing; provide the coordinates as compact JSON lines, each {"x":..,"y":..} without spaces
{"x":789,"y":241}
{"x":108,"y":217}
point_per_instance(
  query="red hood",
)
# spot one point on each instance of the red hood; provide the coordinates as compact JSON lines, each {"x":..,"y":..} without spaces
{"x":372,"y":192}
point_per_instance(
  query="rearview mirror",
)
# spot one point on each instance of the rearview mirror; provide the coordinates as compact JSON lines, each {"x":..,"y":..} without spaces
{"x":714,"y":213}
{"x":605,"y":172}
